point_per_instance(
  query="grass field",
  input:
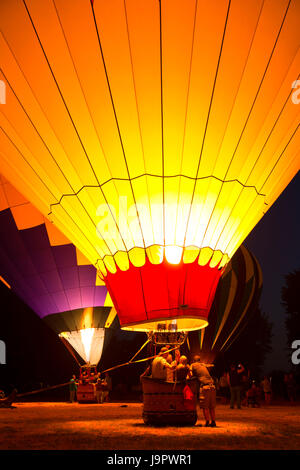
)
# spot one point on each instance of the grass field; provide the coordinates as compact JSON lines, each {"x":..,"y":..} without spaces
{"x":119,"y":426}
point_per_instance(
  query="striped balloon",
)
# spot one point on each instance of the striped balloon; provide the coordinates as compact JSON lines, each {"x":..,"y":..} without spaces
{"x":236,"y":298}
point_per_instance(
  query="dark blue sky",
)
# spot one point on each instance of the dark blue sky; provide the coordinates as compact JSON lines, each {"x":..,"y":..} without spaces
{"x":275,"y":243}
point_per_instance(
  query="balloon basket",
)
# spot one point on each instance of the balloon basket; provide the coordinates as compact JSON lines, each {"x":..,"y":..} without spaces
{"x":164,"y":403}
{"x":86,"y":393}
{"x":86,"y":389}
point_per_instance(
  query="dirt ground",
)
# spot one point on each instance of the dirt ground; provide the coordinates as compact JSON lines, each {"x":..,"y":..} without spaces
{"x":119,"y":426}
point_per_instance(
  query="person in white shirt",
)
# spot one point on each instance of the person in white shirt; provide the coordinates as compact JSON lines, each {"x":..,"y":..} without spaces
{"x":160,"y":365}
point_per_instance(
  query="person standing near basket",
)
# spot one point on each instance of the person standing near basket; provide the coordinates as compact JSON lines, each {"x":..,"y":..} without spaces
{"x":235,"y":383}
{"x":207,"y":390}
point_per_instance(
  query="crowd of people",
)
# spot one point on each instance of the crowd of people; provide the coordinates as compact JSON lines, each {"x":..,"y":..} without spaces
{"x":235,"y":387}
{"x":238,"y":388}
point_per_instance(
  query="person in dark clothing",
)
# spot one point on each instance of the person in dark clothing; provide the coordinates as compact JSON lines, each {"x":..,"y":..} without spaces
{"x":224,"y":388}
{"x":254,"y":395}
{"x":235,"y":383}
{"x":182,"y":371}
{"x":73,"y":389}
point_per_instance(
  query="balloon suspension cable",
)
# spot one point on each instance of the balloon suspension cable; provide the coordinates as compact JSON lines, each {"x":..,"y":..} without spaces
{"x":131,"y":361}
{"x":19,"y":395}
{"x":139,"y":360}
{"x":146,"y":342}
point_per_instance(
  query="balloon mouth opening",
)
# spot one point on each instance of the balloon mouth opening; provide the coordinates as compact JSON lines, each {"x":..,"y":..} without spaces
{"x":87,"y":342}
{"x":167,"y":325}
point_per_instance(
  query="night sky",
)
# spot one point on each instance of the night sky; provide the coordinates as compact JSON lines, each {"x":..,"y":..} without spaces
{"x":274,"y":242}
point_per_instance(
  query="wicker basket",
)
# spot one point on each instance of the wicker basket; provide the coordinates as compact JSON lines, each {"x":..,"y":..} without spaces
{"x":165,"y":403}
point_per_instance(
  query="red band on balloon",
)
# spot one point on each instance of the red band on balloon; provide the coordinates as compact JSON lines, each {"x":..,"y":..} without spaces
{"x":155,"y":292}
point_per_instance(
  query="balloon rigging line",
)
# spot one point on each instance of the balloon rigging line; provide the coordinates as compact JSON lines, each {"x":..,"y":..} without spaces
{"x":42,"y":390}
{"x":106,"y":370}
{"x":146,"y":342}
{"x":139,"y":360}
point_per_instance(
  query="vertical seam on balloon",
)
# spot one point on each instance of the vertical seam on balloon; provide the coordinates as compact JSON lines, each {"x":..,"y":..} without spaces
{"x":81,"y":87}
{"x":74,"y":126}
{"x":42,"y":182}
{"x":139,"y":120}
{"x":38,"y":273}
{"x":186,"y":111}
{"x":222,"y":184}
{"x":220,"y":146}
{"x":94,"y":286}
{"x":208,"y":115}
{"x":245,"y":309}
{"x":262,"y":149}
{"x":79,"y":284}
{"x":228,"y":218}
{"x":189,"y":84}
{"x":59,"y":91}
{"x":98,"y":137}
{"x":271,"y":132}
{"x":259,"y":88}
{"x":30,"y":120}
{"x":278,"y":159}
{"x":235,"y":332}
{"x":223,"y":319}
{"x":117,"y":124}
{"x":24,"y":158}
{"x":53,"y":257}
{"x":225,"y":249}
{"x":162,"y":119}
{"x":57,"y":269}
{"x":241,"y":78}
{"x":16,"y":274}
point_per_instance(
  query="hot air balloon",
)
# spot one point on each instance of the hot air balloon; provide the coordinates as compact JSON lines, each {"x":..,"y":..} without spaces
{"x":52,"y":277}
{"x":154,"y":134}
{"x":237,"y":297}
